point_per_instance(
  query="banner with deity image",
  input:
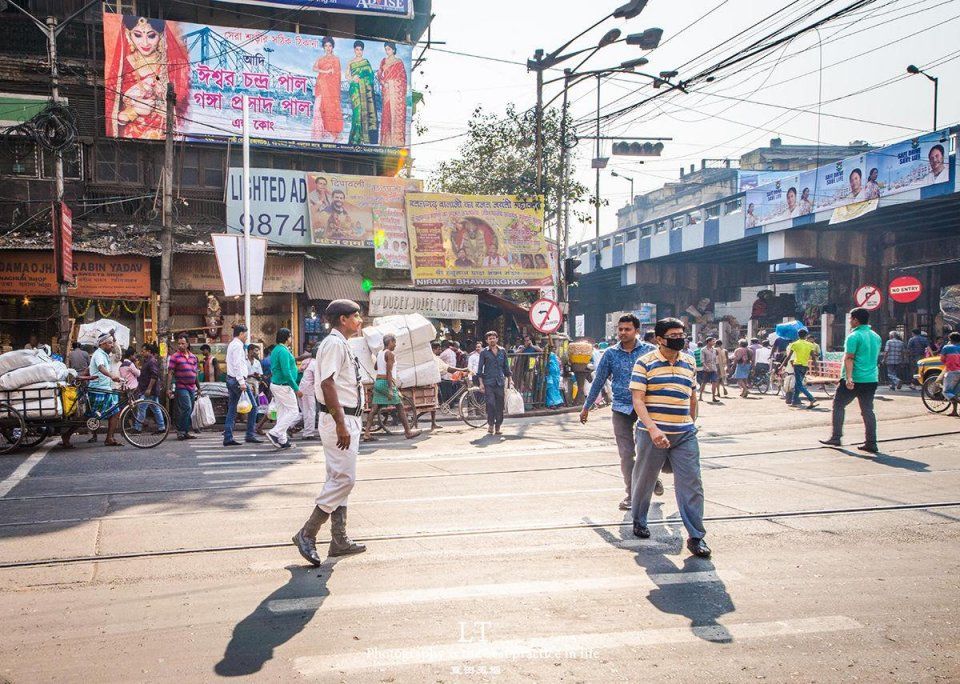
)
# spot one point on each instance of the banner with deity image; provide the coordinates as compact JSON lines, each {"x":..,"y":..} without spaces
{"x":303,"y":90}
{"x":477,"y":240}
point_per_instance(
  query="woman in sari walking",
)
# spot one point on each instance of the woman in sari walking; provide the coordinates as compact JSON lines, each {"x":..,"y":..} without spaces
{"x":393,"y":91}
{"x":363,"y":123}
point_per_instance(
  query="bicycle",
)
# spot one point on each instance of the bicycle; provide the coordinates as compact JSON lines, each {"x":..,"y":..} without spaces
{"x":760,"y":381}
{"x":467,"y":403}
{"x":931,"y":393}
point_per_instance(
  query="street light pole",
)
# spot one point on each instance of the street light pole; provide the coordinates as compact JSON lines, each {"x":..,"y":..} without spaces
{"x":913,"y":69}
{"x":626,"y":178}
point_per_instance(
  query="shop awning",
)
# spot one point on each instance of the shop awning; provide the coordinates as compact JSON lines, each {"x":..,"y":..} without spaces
{"x":507,"y":305}
{"x":323,"y":282}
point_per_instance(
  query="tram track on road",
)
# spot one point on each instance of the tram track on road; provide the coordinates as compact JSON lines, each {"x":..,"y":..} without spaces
{"x":427,"y":476}
{"x":487,"y":531}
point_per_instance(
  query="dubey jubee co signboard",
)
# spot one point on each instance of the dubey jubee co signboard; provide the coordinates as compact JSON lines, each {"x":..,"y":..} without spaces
{"x":303,"y":90}
{"x":477,"y":240}
{"x":443,"y":305}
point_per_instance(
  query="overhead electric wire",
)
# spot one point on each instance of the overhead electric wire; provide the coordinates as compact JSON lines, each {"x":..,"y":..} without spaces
{"x":758,"y":47}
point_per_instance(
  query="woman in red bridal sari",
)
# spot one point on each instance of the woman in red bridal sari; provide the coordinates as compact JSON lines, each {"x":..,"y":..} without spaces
{"x":327,"y":111}
{"x":145,"y":58}
{"x":393,"y":90}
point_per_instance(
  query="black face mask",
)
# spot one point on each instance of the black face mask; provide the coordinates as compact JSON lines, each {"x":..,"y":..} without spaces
{"x":675,"y":343}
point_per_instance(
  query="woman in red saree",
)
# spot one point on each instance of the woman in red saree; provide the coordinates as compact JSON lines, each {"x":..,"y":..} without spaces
{"x":327,"y":110}
{"x":393,"y":90}
{"x":145,"y":58}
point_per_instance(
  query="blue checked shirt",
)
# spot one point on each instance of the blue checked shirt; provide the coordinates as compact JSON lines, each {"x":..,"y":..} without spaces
{"x":617,"y":365}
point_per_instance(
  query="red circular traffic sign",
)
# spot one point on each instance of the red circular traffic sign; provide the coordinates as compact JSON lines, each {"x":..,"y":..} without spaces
{"x":868,"y":297}
{"x":545,"y":316}
{"x":905,"y":289}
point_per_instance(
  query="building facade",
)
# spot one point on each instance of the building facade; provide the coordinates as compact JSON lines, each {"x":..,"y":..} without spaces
{"x":113,"y":183}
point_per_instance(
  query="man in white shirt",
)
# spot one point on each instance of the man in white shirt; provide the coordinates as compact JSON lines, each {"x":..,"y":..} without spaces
{"x":308,"y":402}
{"x":237,"y":371}
{"x":473,"y":362}
{"x":339,"y":391}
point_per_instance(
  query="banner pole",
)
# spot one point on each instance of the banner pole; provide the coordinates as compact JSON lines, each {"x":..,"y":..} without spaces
{"x":248,"y":223}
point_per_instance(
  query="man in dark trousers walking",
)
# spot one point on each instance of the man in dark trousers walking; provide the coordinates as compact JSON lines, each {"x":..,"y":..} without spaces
{"x":858,"y":380}
{"x":493,"y":371}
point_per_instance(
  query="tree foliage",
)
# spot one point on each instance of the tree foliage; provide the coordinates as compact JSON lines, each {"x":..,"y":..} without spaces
{"x":498,"y":158}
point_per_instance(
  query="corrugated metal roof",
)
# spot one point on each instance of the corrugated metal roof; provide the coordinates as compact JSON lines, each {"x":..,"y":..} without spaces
{"x":323,"y":282}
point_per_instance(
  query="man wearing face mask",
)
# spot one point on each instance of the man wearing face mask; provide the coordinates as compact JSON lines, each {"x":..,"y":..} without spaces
{"x":664,"y":387}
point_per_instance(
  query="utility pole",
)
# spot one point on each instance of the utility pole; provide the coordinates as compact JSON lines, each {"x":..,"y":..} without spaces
{"x":598,"y":162}
{"x":166,"y":233}
{"x":64,"y":302}
{"x":248,"y":226}
{"x":538,"y":122}
{"x":51,"y":30}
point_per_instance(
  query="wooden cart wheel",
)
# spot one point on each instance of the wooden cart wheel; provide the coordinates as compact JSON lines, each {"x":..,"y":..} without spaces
{"x":12,"y":428}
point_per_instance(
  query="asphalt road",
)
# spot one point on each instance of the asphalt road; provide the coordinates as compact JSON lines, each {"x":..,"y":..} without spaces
{"x":492,"y":559}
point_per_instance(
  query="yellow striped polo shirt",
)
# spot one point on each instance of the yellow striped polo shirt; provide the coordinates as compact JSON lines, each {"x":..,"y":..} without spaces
{"x":666,"y":388}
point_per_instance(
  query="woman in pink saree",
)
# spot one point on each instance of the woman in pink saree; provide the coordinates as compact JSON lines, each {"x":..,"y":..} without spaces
{"x":327,"y":111}
{"x":393,"y":90}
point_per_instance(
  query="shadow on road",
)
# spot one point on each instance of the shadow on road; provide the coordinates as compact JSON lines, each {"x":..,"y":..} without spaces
{"x":890,"y":460}
{"x":257,"y":636}
{"x":702,"y":602}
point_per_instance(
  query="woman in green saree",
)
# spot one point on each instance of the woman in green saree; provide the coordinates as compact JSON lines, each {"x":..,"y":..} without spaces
{"x":363,"y":123}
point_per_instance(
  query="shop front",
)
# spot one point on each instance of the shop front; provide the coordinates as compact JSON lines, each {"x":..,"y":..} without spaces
{"x":199,"y":309}
{"x":105,"y":286}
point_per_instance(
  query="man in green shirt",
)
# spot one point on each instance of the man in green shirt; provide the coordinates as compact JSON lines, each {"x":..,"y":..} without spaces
{"x":285,"y":390}
{"x":858,"y":379}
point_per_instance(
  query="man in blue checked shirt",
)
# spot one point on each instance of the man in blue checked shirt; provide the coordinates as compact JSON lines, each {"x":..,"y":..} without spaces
{"x":617,"y":364}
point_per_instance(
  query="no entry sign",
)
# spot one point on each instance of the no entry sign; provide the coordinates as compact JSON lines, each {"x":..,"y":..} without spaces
{"x":545,"y":316}
{"x":867,"y":297}
{"x":905,"y":289}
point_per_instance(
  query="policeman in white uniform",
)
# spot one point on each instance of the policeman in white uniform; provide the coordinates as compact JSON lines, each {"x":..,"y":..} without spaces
{"x":340,"y":398}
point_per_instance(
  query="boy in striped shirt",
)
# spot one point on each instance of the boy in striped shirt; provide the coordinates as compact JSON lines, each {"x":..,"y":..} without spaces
{"x":663,"y":385}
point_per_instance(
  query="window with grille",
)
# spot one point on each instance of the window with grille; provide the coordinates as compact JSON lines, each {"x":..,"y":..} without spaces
{"x":18,"y":158}
{"x":201,"y":168}
{"x":72,"y":163}
{"x":118,"y":164}
{"x":120,"y":6}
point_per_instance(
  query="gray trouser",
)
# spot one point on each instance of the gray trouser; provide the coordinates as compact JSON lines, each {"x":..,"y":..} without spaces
{"x":684,"y":456}
{"x":623,"y":432}
{"x":863,"y":392}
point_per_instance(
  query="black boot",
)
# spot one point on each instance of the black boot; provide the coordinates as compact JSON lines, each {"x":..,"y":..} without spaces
{"x":340,"y":543}
{"x":306,"y":539}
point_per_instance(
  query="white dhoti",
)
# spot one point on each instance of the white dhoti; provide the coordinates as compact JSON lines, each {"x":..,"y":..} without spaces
{"x":288,"y":411}
{"x":308,"y":406}
{"x":341,"y":463}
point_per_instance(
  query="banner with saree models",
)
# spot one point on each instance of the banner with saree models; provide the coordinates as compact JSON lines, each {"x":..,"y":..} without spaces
{"x":353,"y":211}
{"x":305,"y":91}
{"x":477,"y":240}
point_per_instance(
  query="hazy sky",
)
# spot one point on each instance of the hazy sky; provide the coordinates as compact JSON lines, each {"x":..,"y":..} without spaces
{"x":857,"y":54}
